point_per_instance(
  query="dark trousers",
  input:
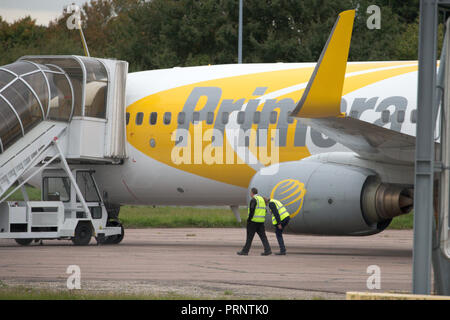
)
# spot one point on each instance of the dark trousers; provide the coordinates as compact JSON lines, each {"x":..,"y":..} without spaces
{"x":252,"y":228}
{"x":279,"y":233}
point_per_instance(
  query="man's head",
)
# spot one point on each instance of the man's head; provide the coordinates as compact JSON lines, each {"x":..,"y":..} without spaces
{"x":266,"y":200}
{"x":253,"y":192}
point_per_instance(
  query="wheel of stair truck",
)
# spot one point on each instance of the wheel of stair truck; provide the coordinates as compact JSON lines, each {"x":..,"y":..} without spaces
{"x":116,"y":239}
{"x":24,"y":242}
{"x":83,"y":234}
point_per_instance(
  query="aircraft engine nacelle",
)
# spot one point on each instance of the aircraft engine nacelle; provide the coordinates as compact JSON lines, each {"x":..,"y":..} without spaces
{"x":333,"y":199}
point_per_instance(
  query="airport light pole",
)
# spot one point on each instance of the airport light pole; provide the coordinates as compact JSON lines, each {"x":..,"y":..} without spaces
{"x":241,"y":9}
{"x":441,"y":249}
{"x":429,"y":249}
{"x":424,"y":161}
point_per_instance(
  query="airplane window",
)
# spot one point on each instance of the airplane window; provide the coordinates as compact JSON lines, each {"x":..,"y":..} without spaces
{"x":181,"y":117}
{"x":167,"y":117}
{"x":139,"y":118}
{"x":273,"y":117}
{"x":153,"y":118}
{"x":128,"y":117}
{"x":196,"y":116}
{"x":241,"y":117}
{"x":401,"y":116}
{"x":210,"y":118}
{"x":414,"y":116}
{"x":257,"y":117}
{"x":385,"y":115}
{"x":225,"y":117}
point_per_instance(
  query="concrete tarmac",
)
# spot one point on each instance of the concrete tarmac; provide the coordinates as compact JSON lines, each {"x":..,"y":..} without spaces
{"x":203,"y":263}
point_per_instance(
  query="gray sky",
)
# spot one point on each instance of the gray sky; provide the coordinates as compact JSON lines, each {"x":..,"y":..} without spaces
{"x":42,"y":10}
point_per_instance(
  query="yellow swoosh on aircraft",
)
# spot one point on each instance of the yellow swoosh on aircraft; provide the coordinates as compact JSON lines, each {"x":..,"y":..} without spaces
{"x":235,"y":88}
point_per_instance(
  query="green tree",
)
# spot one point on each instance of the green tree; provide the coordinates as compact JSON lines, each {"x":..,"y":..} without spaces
{"x":167,"y":33}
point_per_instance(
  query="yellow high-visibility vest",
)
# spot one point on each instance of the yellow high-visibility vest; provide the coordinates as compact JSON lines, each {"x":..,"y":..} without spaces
{"x":260,"y":210}
{"x":282,"y":211}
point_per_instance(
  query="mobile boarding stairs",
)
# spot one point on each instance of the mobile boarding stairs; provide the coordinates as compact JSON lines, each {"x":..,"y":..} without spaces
{"x":55,"y":112}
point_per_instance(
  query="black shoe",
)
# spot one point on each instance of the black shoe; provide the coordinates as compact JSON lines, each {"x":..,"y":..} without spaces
{"x":266,"y":253}
{"x":242,"y":253}
{"x":280,"y":253}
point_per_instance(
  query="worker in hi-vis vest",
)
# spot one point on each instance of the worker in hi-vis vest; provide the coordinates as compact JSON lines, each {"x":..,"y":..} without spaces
{"x":280,"y":219}
{"x":255,"y":224}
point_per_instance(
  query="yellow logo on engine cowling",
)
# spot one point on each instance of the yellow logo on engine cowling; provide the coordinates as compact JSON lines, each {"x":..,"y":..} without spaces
{"x":291,"y":193}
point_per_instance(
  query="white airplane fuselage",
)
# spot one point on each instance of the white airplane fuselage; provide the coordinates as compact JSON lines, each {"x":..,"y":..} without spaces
{"x":226,"y":98}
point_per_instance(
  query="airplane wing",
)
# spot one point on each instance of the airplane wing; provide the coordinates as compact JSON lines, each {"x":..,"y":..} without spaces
{"x":320,"y":104}
{"x":368,"y":140}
